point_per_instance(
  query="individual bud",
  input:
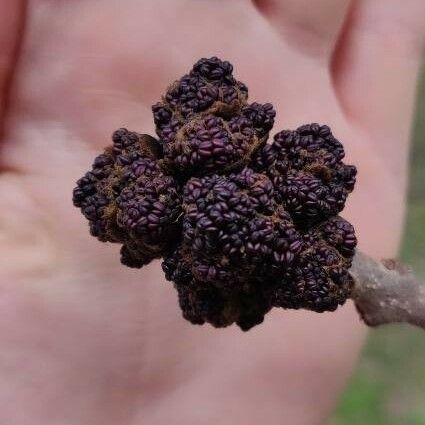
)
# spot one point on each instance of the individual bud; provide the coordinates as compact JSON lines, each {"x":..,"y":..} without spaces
{"x":261,"y":116}
{"x":209,"y":99}
{"x":307,"y":172}
{"x":307,"y":198}
{"x":92,"y":196}
{"x":213,"y":69}
{"x":310,"y":287}
{"x":127,"y":199}
{"x":147,"y":212}
{"x":340,"y":234}
{"x":209,"y":88}
{"x":210,"y":144}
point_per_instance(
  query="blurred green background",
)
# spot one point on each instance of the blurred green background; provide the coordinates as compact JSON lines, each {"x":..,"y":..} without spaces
{"x":388,"y":387}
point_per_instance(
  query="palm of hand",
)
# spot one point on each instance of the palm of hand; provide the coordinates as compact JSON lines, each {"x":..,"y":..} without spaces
{"x":89,"y":341}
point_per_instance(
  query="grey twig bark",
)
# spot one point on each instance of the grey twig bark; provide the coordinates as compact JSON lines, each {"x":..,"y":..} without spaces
{"x":387,"y":292}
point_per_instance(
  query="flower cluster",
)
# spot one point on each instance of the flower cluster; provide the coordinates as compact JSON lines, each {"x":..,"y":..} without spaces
{"x":307,"y":171}
{"x":205,"y":123}
{"x":128,"y":199}
{"x":242,"y":225}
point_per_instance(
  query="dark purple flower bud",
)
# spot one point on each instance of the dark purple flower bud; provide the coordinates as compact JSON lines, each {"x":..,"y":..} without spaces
{"x":212,"y":69}
{"x":261,"y":116}
{"x":127,"y":199}
{"x":210,"y":144}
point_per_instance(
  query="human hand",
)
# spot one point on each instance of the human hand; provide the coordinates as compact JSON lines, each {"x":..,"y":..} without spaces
{"x":88,"y":341}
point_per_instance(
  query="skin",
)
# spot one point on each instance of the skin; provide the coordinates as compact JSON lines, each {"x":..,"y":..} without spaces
{"x":85,"y":340}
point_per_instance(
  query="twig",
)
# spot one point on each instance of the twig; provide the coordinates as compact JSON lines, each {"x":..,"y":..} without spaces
{"x":387,"y":292}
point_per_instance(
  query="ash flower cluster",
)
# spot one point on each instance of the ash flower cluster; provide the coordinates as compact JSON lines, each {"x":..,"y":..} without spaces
{"x":242,"y":226}
{"x":128,"y":199}
{"x":205,"y":123}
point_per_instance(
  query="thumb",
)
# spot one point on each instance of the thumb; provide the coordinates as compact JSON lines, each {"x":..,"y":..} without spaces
{"x":376,"y":70}
{"x":310,"y":26}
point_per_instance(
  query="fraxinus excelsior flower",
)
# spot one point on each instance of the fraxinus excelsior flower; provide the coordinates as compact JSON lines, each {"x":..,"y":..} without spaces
{"x":242,"y":225}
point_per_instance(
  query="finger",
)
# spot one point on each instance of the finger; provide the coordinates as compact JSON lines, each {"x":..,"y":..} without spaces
{"x":310,"y":26}
{"x":376,"y":68}
{"x":11,"y":25}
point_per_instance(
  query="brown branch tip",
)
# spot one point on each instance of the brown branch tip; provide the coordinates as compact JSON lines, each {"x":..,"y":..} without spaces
{"x":387,"y":291}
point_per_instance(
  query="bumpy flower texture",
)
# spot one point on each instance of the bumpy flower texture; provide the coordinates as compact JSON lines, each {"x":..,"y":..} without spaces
{"x":242,"y":225}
